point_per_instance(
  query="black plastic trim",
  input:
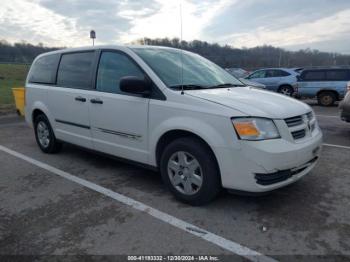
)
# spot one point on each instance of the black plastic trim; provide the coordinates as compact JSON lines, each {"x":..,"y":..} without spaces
{"x":117,"y":133}
{"x":72,"y":124}
{"x":280,"y":176}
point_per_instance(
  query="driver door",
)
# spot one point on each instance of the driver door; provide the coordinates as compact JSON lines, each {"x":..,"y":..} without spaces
{"x":119,"y":121}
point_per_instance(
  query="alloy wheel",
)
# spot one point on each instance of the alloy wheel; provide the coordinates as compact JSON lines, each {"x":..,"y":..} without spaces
{"x":43,"y":134}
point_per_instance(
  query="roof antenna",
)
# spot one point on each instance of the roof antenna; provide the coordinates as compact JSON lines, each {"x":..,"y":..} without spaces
{"x":182,"y":64}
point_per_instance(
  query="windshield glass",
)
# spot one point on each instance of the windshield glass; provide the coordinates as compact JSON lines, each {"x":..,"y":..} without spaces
{"x":197,"y":71}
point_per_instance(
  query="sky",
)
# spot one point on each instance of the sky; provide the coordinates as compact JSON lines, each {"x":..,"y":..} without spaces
{"x":290,"y":24}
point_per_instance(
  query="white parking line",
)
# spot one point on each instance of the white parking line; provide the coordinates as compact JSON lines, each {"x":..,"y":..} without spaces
{"x":169,"y":219}
{"x":338,"y":146}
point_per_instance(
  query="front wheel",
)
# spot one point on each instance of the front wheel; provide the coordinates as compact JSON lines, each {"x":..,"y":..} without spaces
{"x":44,"y":135}
{"x":286,"y":90}
{"x":190,"y":171}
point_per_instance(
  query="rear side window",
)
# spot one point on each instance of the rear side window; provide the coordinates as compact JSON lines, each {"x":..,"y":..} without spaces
{"x":282,"y":73}
{"x":338,"y":75}
{"x":113,"y":66}
{"x":314,"y":75}
{"x":276,"y":73}
{"x":44,"y":69}
{"x":75,"y":70}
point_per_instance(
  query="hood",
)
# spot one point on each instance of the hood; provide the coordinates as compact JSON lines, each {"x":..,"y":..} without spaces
{"x":253,"y":101}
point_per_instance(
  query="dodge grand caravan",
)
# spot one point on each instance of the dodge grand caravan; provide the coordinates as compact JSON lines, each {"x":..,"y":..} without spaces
{"x":173,"y":111}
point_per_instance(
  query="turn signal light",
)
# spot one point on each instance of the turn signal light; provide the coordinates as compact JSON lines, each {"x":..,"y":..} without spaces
{"x":246,"y":129}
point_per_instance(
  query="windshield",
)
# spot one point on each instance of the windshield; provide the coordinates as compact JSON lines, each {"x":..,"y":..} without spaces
{"x":197,"y":71}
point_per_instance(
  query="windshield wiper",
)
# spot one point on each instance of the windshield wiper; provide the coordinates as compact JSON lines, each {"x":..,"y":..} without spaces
{"x":187,"y":87}
{"x":225,"y":85}
{"x":194,"y":87}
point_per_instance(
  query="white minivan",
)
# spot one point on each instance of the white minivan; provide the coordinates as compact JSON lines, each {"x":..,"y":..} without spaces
{"x":173,"y":111}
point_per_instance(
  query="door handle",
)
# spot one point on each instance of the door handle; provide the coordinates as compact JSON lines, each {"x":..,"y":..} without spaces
{"x":81,"y":99}
{"x":96,"y":101}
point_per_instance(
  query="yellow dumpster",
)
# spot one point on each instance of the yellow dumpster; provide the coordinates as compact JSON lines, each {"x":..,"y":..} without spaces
{"x":18,"y":93}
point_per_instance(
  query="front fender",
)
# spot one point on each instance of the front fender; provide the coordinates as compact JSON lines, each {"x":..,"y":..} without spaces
{"x":207,"y":132}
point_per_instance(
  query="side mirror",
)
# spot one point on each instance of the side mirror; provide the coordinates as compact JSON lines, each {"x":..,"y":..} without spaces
{"x":298,"y":78}
{"x":135,"y":85}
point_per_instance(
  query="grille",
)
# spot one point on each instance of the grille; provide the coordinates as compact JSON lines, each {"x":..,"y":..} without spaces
{"x":294,"y":121}
{"x":300,"y":126}
{"x":299,"y":134}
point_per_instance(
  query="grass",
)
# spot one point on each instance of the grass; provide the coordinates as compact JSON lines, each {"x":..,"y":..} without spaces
{"x":11,"y":75}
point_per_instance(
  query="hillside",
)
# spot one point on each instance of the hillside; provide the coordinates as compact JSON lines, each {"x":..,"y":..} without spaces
{"x":225,"y":56}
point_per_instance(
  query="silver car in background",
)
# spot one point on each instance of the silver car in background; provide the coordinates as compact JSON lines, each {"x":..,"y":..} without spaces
{"x":241,"y":74}
{"x":281,"y":80}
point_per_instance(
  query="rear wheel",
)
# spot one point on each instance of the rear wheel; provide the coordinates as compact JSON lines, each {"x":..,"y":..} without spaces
{"x":44,"y":135}
{"x":326,"y":98}
{"x":190,"y":171}
{"x":286,"y":90}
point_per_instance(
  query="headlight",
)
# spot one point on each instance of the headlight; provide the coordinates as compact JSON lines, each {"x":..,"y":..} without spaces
{"x":255,"y":128}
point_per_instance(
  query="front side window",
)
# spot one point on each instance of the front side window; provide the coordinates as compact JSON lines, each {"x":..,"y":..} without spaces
{"x":271,"y":73}
{"x":75,"y":70}
{"x":176,"y":68}
{"x":43,"y":70}
{"x":112,"y":67}
{"x":258,"y":74}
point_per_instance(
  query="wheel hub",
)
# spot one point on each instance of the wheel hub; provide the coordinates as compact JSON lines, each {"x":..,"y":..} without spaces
{"x":185,"y":173}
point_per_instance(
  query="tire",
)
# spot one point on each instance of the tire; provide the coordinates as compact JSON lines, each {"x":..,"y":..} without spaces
{"x":204,"y":180}
{"x":326,"y":98}
{"x":45,"y":136}
{"x":286,"y":90}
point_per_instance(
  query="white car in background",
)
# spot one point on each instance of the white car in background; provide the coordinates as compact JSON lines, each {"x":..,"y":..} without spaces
{"x":172,"y":111}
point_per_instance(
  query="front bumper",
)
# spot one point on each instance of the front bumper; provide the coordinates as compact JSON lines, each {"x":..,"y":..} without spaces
{"x":279,"y":161}
{"x":282,"y":175}
{"x":345,"y":115}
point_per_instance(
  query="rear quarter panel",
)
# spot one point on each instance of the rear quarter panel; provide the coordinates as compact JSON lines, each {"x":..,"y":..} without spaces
{"x":36,"y":98}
